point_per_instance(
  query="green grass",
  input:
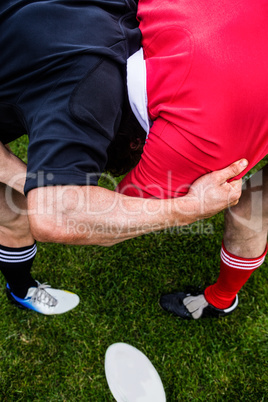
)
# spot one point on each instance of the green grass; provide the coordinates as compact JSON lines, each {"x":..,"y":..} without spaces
{"x":61,"y":358}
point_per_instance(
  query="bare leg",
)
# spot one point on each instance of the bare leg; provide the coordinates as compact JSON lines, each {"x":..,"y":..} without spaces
{"x":245,"y":242}
{"x":12,"y":169}
{"x":17,"y":248}
{"x":246,"y":223}
{"x":245,"y":239}
{"x":14,"y":225}
{"x":17,"y":253}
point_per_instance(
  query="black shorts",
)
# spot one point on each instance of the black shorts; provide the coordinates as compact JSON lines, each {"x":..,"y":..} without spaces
{"x":62,"y":82}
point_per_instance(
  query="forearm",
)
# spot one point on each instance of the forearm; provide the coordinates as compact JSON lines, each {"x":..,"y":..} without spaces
{"x":132,"y":217}
{"x":93,"y":215}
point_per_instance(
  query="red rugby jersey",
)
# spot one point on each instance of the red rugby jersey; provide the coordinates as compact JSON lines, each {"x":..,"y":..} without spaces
{"x":207,"y":81}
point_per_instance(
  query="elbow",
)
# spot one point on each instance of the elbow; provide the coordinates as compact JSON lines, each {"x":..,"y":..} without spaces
{"x":44,"y":231}
{"x":52,"y":219}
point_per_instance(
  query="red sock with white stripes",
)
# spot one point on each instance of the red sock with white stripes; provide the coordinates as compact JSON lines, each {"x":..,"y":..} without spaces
{"x":234,"y":273}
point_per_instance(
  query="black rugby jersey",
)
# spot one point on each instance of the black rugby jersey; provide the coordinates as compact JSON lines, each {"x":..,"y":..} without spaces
{"x":62,"y":82}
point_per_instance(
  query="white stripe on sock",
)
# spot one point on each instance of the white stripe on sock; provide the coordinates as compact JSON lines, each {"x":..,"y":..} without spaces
{"x":238,"y":259}
{"x":34,"y":247}
{"x":241,"y":263}
{"x":18,"y":256}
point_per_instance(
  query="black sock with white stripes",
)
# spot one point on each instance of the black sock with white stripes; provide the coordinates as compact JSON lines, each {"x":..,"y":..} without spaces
{"x":15,"y":265}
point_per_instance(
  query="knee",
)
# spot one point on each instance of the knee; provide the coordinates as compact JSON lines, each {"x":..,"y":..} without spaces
{"x":244,"y":223}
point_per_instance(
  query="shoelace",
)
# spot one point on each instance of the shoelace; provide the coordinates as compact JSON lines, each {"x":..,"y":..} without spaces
{"x":44,"y":297}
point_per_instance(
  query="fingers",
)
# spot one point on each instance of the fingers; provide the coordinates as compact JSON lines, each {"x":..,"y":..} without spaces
{"x":233,"y":170}
{"x":235,"y":191}
{"x":232,"y":204}
{"x":236,"y":185}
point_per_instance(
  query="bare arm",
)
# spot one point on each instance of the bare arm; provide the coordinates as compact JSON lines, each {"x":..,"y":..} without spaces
{"x":92,"y":215}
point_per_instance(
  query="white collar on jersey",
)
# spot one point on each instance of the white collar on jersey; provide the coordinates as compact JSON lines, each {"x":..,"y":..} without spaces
{"x":136,"y":84}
